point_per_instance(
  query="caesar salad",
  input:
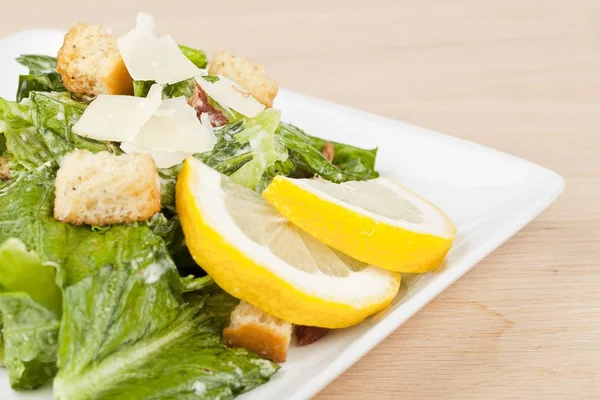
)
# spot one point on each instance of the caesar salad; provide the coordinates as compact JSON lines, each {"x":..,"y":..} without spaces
{"x":165,"y":234}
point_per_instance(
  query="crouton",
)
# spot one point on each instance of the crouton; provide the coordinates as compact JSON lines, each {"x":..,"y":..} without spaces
{"x":104,"y":189}
{"x":90,"y":63}
{"x":257,"y":331}
{"x":4,"y":169}
{"x":248,"y":75}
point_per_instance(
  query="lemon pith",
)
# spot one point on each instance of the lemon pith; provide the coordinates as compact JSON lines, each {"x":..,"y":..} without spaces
{"x":356,"y":234}
{"x":246,"y":279}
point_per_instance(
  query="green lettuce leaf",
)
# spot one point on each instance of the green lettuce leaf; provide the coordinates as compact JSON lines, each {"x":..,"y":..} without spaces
{"x":42,"y":76}
{"x":30,"y":302}
{"x":37,"y":64}
{"x":198,"y":57}
{"x":23,"y":271}
{"x":26,"y":209}
{"x":141,"y":88}
{"x":228,"y":154}
{"x":349,"y":163}
{"x":130,"y":334}
{"x":259,"y":132}
{"x":53,"y":115}
{"x":170,"y":91}
{"x":193,"y":284}
{"x":2,"y":144}
{"x":41,"y":132}
{"x":23,"y":143}
{"x":43,"y":82}
{"x":179,"y":89}
{"x":168,"y":179}
{"x":30,"y":335}
{"x":356,"y":163}
{"x":284,"y":168}
{"x":170,"y":231}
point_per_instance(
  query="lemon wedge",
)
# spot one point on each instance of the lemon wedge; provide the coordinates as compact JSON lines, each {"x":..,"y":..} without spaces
{"x":378,"y":222}
{"x":256,"y":255}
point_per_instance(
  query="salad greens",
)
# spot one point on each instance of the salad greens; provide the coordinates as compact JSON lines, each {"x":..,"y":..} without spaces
{"x":349,"y":162}
{"x":175,"y":350}
{"x":130,"y":268}
{"x":30,"y":296}
{"x":198,"y":57}
{"x":179,"y":89}
{"x":42,"y":76}
{"x":54,"y":115}
{"x":23,"y":143}
{"x":124,"y":312}
{"x":37,"y":64}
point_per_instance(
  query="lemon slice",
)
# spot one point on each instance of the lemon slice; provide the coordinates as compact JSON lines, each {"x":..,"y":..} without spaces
{"x":255,"y":254}
{"x":378,"y":222}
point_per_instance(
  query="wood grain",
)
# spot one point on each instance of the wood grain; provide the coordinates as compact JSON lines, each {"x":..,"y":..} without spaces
{"x":520,"y":76}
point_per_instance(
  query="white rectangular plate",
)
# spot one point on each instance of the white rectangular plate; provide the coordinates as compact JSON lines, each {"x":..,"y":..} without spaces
{"x":488,"y":194}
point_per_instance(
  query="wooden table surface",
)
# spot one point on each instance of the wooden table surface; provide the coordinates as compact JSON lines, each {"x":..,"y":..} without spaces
{"x":521,"y":76}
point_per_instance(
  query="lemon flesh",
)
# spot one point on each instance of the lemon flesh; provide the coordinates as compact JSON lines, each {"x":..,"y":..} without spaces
{"x":257,"y":255}
{"x":378,"y":222}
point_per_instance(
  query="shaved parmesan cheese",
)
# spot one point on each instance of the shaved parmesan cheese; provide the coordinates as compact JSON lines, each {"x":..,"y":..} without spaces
{"x":229,"y":94}
{"x":149,"y":57}
{"x":162,"y":159}
{"x":173,"y":133}
{"x":118,"y":118}
{"x":175,"y":127}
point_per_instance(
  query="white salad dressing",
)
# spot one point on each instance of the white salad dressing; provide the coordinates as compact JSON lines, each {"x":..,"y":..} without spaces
{"x":199,"y":388}
{"x":152,"y":273}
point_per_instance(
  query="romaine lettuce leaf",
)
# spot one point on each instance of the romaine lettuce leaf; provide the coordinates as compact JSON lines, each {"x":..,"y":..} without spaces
{"x":170,"y":231}
{"x":168,"y":179}
{"x":356,"y":163}
{"x":41,"y":131}
{"x":26,"y":209}
{"x":350,"y":163}
{"x":23,"y":271}
{"x":198,"y":57}
{"x":37,"y":64}
{"x":128,"y":336}
{"x":43,"y":82}
{"x":141,"y":88}
{"x":260,"y":133}
{"x":30,"y":302}
{"x":228,"y":154}
{"x":53,"y":115}
{"x":30,"y":336}
{"x":193,"y":284}
{"x":42,"y":76}
{"x":179,"y":89}
{"x":23,"y":143}
{"x":2,"y":144}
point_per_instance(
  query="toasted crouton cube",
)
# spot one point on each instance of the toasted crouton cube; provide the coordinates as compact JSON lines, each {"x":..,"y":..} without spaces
{"x":257,"y":331}
{"x":105,"y":189}
{"x":248,"y":75}
{"x":4,"y":169}
{"x":90,"y":63}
